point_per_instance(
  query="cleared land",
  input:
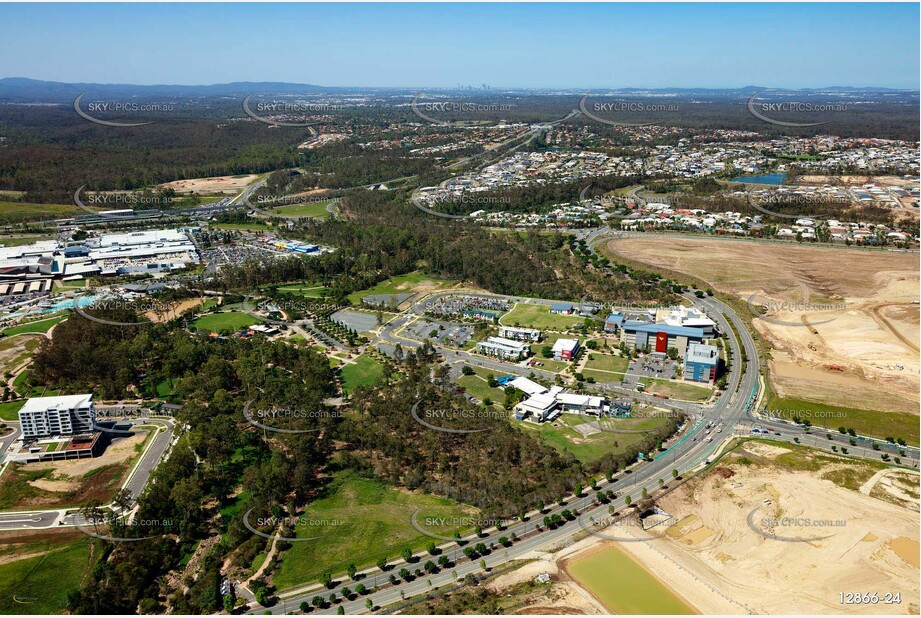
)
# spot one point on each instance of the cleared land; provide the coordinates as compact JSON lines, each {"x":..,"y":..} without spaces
{"x":721,"y":565}
{"x":852,"y":332}
{"x":413,"y":282}
{"x":538,"y":316}
{"x":360,"y":521}
{"x":676,"y":390}
{"x":38,"y":570}
{"x":12,"y":212}
{"x":212,"y":185}
{"x":562,"y":435}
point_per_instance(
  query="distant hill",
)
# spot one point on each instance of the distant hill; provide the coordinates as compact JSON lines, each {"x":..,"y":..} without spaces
{"x":25,"y":90}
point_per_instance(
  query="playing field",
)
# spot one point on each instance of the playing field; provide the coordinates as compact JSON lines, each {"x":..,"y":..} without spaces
{"x":229,"y":321}
{"x":38,"y":326}
{"x":313,"y":210}
{"x":363,"y":372}
{"x":538,"y":316}
{"x":359,"y":521}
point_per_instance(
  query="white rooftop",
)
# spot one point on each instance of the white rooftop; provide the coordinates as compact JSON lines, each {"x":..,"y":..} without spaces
{"x":65,"y":402}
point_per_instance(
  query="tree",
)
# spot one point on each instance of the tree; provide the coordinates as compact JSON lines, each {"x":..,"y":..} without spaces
{"x":369,"y":603}
{"x":340,"y":611}
{"x":483,"y":564}
{"x":404,"y":574}
{"x":317,"y":601}
{"x":467,"y":370}
{"x":327,"y":579}
{"x":627,"y":500}
{"x":351,"y":570}
{"x":382,"y":564}
{"x":430,"y":566}
{"x":346,"y":592}
{"x":675,"y":473}
{"x":407,"y":554}
{"x":304,"y":606}
{"x":333,"y":599}
{"x":432,"y":549}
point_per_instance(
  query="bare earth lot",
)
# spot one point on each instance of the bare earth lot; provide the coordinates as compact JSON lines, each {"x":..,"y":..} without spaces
{"x":858,"y":346}
{"x":210,"y":186}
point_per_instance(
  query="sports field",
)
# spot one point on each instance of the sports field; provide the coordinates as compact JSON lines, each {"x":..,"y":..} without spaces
{"x":229,"y":321}
{"x":313,"y":210}
{"x":532,"y":315}
{"x":363,"y":372}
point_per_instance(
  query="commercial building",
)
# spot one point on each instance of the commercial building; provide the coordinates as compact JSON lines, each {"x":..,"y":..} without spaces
{"x":565,"y":349}
{"x":520,"y":334}
{"x":691,"y":317}
{"x":701,"y":363}
{"x":57,"y":416}
{"x":506,"y":349}
{"x":613,"y":322}
{"x":658,"y":338}
{"x":562,"y":308}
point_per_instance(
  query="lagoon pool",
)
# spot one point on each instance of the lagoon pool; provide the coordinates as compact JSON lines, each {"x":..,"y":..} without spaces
{"x":624,"y":586}
{"x":762,"y":179}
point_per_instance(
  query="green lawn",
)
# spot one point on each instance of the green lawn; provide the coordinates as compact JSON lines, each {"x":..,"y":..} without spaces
{"x":588,"y":449}
{"x":20,"y":385}
{"x":229,"y":321}
{"x":38,"y":326}
{"x":11,"y":212}
{"x":607,"y":362}
{"x":402,"y":284}
{"x":315,"y":210}
{"x":676,"y":390}
{"x":363,"y":372}
{"x":40,"y":585}
{"x":538,"y":316}
{"x":307,"y":291}
{"x":865,"y":422}
{"x":9,"y":411}
{"x":360,"y":521}
{"x":477,"y":386}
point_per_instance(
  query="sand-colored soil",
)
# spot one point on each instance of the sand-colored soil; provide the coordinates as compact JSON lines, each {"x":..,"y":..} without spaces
{"x":563,"y":596}
{"x":174,"y":310}
{"x":119,"y":451}
{"x":871,"y":545}
{"x":853,"y":343}
{"x":210,"y":186}
{"x":14,"y":351}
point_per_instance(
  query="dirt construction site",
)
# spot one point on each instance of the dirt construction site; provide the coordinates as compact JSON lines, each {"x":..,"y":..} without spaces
{"x":818,"y":536}
{"x":842,"y":324}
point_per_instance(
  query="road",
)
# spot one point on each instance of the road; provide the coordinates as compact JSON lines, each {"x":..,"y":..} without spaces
{"x":691,"y":452}
{"x":135,"y":483}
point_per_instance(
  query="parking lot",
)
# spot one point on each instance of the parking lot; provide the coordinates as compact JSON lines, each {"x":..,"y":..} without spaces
{"x":650,"y":366}
{"x":448,"y":334}
{"x":356,"y":320}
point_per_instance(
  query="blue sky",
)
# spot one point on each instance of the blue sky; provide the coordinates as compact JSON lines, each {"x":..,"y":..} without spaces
{"x":433,"y":45}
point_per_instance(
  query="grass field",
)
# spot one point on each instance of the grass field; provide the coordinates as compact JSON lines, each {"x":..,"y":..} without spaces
{"x":18,"y":240}
{"x":865,"y":422}
{"x":403,"y":284}
{"x":39,"y":585}
{"x":477,"y":386}
{"x":11,"y":212}
{"x":9,"y":411}
{"x":676,"y":390}
{"x":538,"y":316}
{"x":560,"y":435}
{"x":38,"y":326}
{"x":307,"y":291}
{"x":363,"y":372}
{"x":316,"y":211}
{"x":229,"y":321}
{"x":361,"y":522}
{"x":607,"y":362}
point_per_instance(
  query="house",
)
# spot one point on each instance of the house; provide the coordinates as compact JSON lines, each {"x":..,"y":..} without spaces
{"x":562,"y":308}
{"x":565,"y":349}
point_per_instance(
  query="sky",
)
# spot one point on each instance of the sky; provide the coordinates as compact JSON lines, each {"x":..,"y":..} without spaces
{"x":444,"y":45}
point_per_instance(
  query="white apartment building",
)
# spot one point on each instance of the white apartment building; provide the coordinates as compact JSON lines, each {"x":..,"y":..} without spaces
{"x":69,"y":415}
